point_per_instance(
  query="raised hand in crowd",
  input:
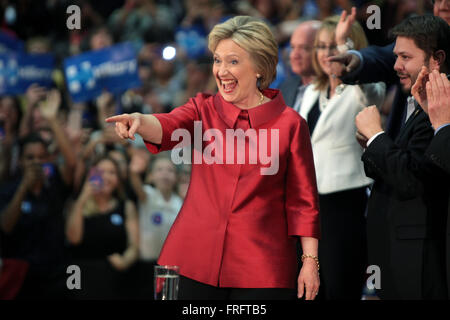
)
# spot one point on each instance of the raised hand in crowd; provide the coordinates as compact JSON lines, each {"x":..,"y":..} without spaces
{"x":140,"y":159}
{"x":344,"y":26}
{"x":33,"y":96}
{"x":343,"y":31}
{"x":105,"y":107}
{"x":49,"y":109}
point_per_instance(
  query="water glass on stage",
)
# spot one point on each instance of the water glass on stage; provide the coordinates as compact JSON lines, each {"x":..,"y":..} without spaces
{"x":166,"y":282}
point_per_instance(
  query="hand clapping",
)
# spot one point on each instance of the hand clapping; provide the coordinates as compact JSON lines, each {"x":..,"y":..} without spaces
{"x":432,"y":92}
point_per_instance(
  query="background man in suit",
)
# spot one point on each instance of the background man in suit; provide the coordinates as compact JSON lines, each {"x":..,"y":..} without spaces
{"x":375,"y":63}
{"x":380,"y":57}
{"x":406,"y":224}
{"x":302,"y":41}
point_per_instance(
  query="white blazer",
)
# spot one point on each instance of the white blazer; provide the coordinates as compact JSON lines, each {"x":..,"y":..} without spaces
{"x":337,"y":154}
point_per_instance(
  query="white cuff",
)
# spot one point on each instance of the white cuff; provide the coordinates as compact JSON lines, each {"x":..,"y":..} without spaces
{"x":373,"y":138}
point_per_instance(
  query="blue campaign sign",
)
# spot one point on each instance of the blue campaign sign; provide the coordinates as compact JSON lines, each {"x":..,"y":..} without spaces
{"x":19,"y":70}
{"x":10,"y":44}
{"x":114,"y":69}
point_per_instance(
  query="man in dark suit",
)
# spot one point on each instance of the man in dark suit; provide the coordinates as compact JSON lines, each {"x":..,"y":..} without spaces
{"x":432,"y":90}
{"x":300,"y":57}
{"x":406,"y":220}
{"x":373,"y":64}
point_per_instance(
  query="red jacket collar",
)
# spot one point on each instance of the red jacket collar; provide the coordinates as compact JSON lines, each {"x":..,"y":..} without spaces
{"x":257,"y":115}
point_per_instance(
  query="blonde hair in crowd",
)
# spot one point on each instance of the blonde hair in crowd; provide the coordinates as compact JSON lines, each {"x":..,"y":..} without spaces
{"x":329,"y":24}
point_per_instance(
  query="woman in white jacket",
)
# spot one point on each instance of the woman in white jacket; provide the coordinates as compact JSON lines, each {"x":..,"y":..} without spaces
{"x":330,"y":108}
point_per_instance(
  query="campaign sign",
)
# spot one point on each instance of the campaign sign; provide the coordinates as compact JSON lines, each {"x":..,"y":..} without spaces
{"x":114,"y":69}
{"x":10,"y":44}
{"x":20,"y":70}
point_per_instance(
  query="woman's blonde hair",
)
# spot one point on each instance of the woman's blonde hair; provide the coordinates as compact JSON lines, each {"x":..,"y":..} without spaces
{"x":329,"y":24}
{"x":255,"y":37}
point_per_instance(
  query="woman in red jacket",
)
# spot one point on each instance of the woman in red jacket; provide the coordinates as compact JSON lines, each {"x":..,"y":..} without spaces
{"x":253,"y":188}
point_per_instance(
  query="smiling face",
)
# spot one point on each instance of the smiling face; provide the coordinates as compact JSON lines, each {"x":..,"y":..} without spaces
{"x":410,"y":60}
{"x":326,"y":47}
{"x":110,"y":176}
{"x":235,"y":74}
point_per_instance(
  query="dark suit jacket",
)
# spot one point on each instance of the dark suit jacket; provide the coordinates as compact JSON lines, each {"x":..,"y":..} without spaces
{"x":379,"y":66}
{"x":438,"y":153}
{"x":405,"y":220}
{"x":289,"y":89}
{"x":439,"y":149}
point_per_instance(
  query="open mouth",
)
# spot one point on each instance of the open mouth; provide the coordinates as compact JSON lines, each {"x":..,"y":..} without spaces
{"x":403,"y":77}
{"x":228,"y":85}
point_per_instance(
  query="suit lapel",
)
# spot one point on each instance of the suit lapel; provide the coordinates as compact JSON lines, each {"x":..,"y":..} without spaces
{"x":309,"y":98}
{"x":294,"y":83}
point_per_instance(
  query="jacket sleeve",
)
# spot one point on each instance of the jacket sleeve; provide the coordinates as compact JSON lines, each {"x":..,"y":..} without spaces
{"x":400,"y":168}
{"x":302,"y":203}
{"x":439,"y":149}
{"x":378,"y":65}
{"x":182,"y":117}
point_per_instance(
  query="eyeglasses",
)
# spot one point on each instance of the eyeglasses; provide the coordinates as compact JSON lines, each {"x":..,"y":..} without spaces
{"x":323,"y":48}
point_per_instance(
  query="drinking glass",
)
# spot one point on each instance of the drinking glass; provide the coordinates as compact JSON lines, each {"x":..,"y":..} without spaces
{"x":166,"y":282}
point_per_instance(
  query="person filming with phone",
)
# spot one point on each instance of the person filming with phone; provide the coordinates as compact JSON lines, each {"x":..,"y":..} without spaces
{"x":102,"y":228}
{"x":32,"y":207}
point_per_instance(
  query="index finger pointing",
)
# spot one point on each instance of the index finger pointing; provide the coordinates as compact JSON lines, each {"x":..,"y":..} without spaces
{"x":120,"y":117}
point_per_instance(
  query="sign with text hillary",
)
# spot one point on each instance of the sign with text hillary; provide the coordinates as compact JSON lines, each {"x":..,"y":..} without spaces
{"x":113,"y":69}
{"x":19,"y":70}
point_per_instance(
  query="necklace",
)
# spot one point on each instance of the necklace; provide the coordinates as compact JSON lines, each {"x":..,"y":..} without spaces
{"x":323,"y":97}
{"x":261,"y":99}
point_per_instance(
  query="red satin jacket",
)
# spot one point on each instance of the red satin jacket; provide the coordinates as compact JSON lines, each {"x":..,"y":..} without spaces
{"x":237,"y":227}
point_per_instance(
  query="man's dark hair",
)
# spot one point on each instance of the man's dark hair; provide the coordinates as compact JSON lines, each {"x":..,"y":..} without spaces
{"x":31,"y":138}
{"x":430,"y":34}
